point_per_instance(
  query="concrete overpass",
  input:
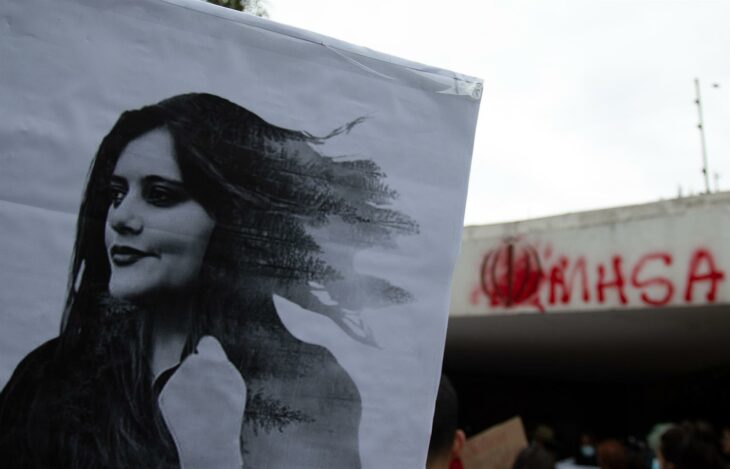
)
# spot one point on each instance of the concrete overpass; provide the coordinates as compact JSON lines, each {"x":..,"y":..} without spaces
{"x":623,"y":293}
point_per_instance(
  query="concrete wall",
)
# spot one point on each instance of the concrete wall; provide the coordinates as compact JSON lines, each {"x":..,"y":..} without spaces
{"x":663,"y":254}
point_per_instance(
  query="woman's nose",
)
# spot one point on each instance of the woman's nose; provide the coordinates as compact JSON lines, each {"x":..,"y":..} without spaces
{"x":126,"y":217}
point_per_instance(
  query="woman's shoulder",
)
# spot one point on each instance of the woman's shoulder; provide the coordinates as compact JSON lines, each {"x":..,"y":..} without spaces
{"x":18,"y":400}
{"x":26,"y":379}
{"x":31,"y":368}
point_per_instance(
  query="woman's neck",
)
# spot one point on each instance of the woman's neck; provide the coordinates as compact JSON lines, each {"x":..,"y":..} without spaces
{"x":171,"y":324}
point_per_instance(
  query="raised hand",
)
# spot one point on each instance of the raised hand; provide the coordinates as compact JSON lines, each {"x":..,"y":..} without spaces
{"x":203,"y":404}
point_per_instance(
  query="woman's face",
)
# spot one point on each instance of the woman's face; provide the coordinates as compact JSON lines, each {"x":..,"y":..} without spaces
{"x":156,"y":235}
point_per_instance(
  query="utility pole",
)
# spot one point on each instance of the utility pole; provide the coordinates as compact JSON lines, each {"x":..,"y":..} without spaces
{"x":701,"y":127}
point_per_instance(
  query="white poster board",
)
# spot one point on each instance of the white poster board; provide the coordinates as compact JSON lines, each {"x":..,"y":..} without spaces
{"x":267,"y":241}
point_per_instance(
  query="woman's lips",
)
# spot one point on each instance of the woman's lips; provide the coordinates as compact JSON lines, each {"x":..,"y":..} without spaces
{"x":126,"y":255}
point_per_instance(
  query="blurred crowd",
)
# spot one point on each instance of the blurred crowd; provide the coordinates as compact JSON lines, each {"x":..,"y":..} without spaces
{"x":693,"y":444}
{"x":683,"y":445}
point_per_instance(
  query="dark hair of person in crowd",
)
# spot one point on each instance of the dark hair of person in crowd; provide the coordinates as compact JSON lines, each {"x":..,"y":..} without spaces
{"x":544,"y":436}
{"x":612,"y":454}
{"x":534,"y":457}
{"x":690,"y":445}
{"x":447,"y":439}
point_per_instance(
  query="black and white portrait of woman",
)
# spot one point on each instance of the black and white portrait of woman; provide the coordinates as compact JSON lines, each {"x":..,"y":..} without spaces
{"x":224,"y":241}
{"x":171,"y":353}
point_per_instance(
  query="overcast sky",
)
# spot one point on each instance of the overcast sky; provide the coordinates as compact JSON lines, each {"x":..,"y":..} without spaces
{"x":587,"y":104}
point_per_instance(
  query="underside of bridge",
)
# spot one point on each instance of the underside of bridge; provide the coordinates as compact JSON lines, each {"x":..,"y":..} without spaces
{"x":614,"y":373}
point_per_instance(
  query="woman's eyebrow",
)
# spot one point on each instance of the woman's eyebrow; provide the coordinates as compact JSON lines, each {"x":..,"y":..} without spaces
{"x":118,"y":179}
{"x":154,"y":178}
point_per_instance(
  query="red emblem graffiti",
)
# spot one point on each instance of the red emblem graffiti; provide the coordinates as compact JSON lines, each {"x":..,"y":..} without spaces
{"x":511,"y":274}
{"x":515,"y":273}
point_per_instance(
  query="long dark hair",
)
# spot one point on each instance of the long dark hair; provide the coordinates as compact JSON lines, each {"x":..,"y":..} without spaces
{"x":264,"y":186}
{"x":692,"y":445}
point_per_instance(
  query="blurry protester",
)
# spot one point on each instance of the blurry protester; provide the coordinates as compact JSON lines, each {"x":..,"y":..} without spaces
{"x":612,"y":454}
{"x":586,"y":451}
{"x":534,"y":457}
{"x":544,"y":437}
{"x":653,"y":440}
{"x":447,"y":440}
{"x":639,"y":454}
{"x":690,"y":446}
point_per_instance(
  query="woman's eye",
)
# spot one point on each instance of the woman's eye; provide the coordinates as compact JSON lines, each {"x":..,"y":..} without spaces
{"x":163,"y":196}
{"x":116,"y":194}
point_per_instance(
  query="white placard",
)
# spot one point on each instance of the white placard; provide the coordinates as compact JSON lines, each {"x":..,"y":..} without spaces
{"x":295,"y":201}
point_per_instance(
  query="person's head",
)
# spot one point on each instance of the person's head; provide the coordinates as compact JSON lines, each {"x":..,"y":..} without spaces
{"x":544,"y":436}
{"x":156,"y":234}
{"x":447,"y":439}
{"x":689,"y":446}
{"x":586,"y":449}
{"x":653,"y":438}
{"x":612,"y":454}
{"x":195,"y":196}
{"x":534,"y":457}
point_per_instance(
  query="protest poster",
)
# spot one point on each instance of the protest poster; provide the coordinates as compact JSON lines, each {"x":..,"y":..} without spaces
{"x":223,"y":241}
{"x":496,"y":447}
